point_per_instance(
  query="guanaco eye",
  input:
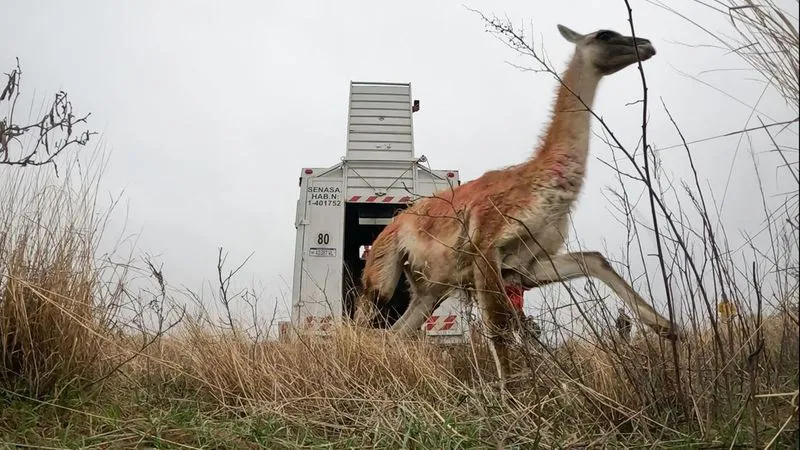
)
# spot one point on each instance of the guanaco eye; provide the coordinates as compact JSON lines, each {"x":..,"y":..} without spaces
{"x":604,"y":35}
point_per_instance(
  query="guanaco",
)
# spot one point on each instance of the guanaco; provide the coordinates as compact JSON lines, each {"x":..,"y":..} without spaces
{"x":508,"y":225}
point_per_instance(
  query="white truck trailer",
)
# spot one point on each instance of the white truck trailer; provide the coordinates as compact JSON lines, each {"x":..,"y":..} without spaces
{"x":343,"y":208}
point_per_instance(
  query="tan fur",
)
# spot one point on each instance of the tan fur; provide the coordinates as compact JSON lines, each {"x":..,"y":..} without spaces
{"x":507,"y":225}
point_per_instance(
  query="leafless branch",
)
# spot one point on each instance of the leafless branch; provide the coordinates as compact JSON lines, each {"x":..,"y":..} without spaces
{"x":58,"y":129}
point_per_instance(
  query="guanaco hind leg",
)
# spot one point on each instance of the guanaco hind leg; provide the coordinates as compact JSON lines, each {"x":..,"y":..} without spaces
{"x":593,"y":264}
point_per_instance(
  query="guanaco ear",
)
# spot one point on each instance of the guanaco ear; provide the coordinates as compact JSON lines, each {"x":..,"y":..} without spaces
{"x":569,"y":34}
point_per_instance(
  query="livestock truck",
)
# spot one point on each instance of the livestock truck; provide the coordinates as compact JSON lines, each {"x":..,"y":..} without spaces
{"x":343,"y":208}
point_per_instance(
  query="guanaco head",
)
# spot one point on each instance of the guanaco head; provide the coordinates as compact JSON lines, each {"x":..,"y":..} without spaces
{"x":607,"y":50}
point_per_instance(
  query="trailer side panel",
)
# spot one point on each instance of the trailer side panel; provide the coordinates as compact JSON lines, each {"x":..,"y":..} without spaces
{"x":318,"y":303}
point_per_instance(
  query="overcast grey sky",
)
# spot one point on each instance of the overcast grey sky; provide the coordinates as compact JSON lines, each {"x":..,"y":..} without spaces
{"x":211,"y":109}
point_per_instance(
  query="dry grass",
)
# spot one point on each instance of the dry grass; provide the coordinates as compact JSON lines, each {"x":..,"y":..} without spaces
{"x":769,"y":41}
{"x":360,"y":388}
{"x":50,"y":321}
{"x":91,"y":356}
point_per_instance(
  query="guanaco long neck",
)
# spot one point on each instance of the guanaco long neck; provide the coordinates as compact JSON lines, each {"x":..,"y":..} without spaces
{"x":565,"y":145}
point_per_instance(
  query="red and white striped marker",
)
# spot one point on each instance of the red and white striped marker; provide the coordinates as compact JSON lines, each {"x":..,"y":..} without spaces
{"x":440,"y":323}
{"x":379,"y":199}
{"x":318,"y":323}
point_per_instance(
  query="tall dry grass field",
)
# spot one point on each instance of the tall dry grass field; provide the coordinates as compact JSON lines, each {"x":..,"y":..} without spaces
{"x":98,"y":351}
